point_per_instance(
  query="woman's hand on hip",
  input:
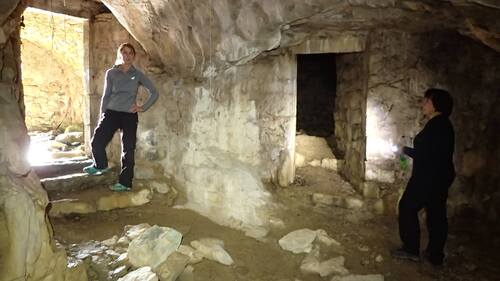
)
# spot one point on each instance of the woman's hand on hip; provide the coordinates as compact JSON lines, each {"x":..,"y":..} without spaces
{"x":135,"y":108}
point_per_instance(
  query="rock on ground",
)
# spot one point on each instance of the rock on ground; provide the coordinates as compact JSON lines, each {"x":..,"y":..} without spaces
{"x":141,"y":274}
{"x":213,"y":249}
{"x":153,"y":246}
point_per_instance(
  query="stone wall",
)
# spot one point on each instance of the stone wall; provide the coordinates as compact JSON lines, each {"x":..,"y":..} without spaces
{"x":52,"y":53}
{"x":401,"y":67}
{"x":27,"y":249}
{"x":350,"y":109}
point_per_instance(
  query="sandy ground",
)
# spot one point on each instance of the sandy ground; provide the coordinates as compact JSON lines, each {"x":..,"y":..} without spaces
{"x":472,"y":248}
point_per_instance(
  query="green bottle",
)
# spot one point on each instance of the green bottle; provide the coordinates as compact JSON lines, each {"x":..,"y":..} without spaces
{"x":403,"y":162}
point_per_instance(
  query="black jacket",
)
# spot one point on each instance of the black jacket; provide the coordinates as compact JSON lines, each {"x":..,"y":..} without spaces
{"x":433,"y":154}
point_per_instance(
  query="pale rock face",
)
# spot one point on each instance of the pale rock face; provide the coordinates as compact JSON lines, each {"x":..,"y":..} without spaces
{"x":233,"y":192}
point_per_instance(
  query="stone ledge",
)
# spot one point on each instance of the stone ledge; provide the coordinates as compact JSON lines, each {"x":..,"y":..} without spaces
{"x":101,"y":199}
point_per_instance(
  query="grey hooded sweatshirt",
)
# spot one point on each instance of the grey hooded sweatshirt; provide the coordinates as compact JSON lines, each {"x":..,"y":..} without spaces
{"x":120,"y":89}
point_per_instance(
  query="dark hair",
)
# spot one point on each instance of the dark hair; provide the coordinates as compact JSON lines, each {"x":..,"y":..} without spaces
{"x":441,"y":100}
{"x":126,"y":45}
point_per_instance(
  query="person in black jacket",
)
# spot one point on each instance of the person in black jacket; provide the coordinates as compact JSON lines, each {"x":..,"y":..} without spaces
{"x":432,"y":174}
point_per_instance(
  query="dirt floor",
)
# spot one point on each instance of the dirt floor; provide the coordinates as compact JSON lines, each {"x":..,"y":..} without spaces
{"x":472,"y":248}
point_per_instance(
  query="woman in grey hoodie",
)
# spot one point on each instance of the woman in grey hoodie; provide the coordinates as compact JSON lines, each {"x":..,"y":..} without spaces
{"x":119,"y":111}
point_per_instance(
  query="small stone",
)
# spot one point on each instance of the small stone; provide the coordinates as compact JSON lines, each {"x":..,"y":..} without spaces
{"x":379,"y":258}
{"x":312,"y":265}
{"x":194,"y":256}
{"x":213,"y":249}
{"x":68,"y":138}
{"x":298,"y":241}
{"x":141,"y":274}
{"x":323,"y":237}
{"x":153,"y":246}
{"x":172,"y":267}
{"x":353,"y":203}
{"x":119,"y":272}
{"x":315,"y":163}
{"x":111,"y":241}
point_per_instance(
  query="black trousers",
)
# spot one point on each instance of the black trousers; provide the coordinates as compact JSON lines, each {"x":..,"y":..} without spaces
{"x":432,"y":198}
{"x":108,"y":124}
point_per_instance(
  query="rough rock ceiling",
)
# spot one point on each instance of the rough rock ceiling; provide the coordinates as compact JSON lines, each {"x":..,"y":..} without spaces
{"x":199,"y":37}
{"x":189,"y":36}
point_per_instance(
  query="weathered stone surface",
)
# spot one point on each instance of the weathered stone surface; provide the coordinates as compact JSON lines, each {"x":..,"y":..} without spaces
{"x":153,"y":246}
{"x":213,"y":249}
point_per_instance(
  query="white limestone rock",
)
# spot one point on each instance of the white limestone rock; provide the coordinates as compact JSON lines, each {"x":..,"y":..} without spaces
{"x":298,"y":241}
{"x":323,"y":199}
{"x":124,"y":199}
{"x":213,"y":249}
{"x":194,"y":256}
{"x":353,"y":203}
{"x":141,"y":274}
{"x":330,"y":164}
{"x":160,"y":187}
{"x":369,"y":277}
{"x":133,"y":231}
{"x":69,"y":138}
{"x":312,"y":264}
{"x":111,"y":241}
{"x":300,"y":160}
{"x":153,"y":246}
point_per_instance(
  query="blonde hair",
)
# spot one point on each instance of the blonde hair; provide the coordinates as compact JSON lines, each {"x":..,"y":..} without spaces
{"x":119,"y":59}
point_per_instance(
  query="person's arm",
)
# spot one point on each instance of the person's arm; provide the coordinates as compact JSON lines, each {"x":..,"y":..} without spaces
{"x":409,"y":151}
{"x":153,"y":94}
{"x":108,"y":86}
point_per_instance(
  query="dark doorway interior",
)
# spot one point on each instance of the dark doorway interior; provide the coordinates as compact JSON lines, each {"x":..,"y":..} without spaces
{"x":316,"y":90}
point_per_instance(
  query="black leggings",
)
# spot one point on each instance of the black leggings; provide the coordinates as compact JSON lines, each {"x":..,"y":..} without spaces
{"x":108,"y":124}
{"x":415,"y":198}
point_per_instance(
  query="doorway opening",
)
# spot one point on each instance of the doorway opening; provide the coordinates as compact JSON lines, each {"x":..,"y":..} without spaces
{"x":52,"y":61}
{"x":316,"y":93}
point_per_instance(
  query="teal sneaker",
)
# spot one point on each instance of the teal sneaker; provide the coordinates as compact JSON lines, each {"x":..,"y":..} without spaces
{"x":93,"y":171}
{"x":119,"y":187}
